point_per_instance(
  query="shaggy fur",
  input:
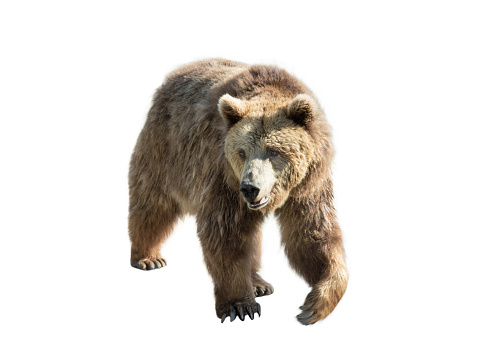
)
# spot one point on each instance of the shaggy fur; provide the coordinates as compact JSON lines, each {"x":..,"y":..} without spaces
{"x":230,"y":143}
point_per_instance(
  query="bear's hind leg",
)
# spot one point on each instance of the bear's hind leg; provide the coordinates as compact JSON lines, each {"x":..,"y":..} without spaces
{"x":149,"y":225}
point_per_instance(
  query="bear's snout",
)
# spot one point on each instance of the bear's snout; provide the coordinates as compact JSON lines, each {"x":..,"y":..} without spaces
{"x":257,"y":182}
{"x":249,"y":191}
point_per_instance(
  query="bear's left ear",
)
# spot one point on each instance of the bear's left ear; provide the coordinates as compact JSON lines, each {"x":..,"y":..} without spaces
{"x":232,"y":109}
{"x":302,"y":109}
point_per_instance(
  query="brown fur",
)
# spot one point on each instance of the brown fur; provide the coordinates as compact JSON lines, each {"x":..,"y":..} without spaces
{"x":199,"y":146}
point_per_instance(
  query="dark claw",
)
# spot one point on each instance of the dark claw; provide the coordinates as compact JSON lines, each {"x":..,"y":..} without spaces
{"x":232,"y":314}
{"x":258,"y":309}
{"x":223,"y":318}
{"x":260,"y":292}
{"x":249,"y":309}
{"x":302,"y":321}
{"x":140,"y":265}
{"x":241,"y":313}
{"x":305,"y":316}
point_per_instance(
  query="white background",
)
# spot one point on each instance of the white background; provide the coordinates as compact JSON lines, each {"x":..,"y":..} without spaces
{"x":399,"y":82}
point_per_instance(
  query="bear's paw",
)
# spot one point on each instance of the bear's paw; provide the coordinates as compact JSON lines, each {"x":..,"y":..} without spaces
{"x":261,"y":287}
{"x":150,"y":264}
{"x":240,"y":310}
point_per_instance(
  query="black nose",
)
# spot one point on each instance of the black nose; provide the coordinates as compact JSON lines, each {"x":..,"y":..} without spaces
{"x":250,"y":192}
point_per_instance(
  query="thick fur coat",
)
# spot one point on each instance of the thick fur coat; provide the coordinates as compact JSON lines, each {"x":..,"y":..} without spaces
{"x":230,"y":143}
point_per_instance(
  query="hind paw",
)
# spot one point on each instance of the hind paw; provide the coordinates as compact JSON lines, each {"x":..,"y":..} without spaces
{"x":149,"y":264}
{"x":261,"y":287}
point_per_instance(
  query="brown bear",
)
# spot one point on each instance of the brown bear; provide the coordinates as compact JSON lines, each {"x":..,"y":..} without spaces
{"x":232,"y":143}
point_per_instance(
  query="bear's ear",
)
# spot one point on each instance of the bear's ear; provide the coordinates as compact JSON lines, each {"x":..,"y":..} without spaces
{"x":232,"y":109}
{"x":302,"y":109}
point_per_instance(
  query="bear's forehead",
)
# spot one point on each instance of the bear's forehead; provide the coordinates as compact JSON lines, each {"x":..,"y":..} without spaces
{"x":270,"y":132}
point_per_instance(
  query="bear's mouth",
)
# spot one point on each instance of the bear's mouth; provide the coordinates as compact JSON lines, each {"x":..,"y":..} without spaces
{"x":260,"y":203}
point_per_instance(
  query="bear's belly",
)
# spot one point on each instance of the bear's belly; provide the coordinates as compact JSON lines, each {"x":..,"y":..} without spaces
{"x":188,"y":204}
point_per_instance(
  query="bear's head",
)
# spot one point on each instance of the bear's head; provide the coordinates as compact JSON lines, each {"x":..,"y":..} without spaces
{"x":276,"y":147}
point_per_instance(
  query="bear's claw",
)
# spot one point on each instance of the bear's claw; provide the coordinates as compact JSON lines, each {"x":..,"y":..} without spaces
{"x":261,"y":287}
{"x":150,"y":264}
{"x":263,"y":290}
{"x":240,"y":311}
{"x":307,"y":316}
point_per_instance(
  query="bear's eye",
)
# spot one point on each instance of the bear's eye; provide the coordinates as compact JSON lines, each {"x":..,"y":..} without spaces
{"x":242,"y":154}
{"x":273,"y":153}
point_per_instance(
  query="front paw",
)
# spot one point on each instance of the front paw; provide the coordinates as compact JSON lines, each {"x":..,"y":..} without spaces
{"x":322,"y":299}
{"x":317,"y":306}
{"x":240,"y":309}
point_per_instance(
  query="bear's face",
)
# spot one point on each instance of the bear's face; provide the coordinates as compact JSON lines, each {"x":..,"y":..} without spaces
{"x":269,"y":151}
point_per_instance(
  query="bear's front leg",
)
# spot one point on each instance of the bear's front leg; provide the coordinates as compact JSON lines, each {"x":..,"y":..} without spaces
{"x":260,"y":286}
{"x":227,"y":243}
{"x":313,"y":245}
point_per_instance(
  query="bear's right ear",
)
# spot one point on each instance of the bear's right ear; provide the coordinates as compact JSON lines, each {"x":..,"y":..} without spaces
{"x":232,"y":109}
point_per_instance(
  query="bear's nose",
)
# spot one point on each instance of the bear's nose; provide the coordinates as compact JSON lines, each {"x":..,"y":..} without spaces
{"x":249,"y":191}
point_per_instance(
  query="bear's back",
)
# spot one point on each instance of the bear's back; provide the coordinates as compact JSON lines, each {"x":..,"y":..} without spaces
{"x":192,"y":82}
